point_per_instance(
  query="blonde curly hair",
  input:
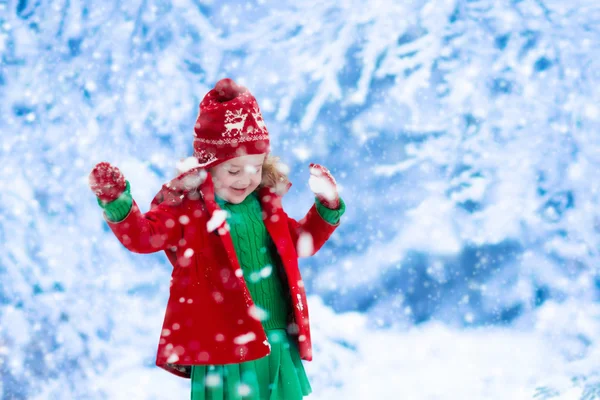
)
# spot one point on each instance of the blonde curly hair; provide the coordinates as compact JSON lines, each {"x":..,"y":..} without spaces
{"x":274,"y":175}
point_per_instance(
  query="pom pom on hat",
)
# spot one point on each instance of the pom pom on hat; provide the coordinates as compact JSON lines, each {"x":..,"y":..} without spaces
{"x":226,"y":90}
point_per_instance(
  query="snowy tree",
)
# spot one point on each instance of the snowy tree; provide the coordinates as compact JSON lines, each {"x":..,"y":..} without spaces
{"x":463,"y":135}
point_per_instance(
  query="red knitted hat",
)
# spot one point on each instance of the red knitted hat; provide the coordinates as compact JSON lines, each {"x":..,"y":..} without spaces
{"x":229,"y":125}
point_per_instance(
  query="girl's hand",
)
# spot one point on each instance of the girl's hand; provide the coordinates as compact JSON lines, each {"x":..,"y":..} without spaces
{"x":107,"y":182}
{"x":324,"y":187}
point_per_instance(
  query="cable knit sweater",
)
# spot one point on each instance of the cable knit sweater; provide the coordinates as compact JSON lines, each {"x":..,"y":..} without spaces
{"x":259,"y":260}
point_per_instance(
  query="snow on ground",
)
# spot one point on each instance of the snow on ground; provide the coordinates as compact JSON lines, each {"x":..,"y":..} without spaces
{"x":431,"y":361}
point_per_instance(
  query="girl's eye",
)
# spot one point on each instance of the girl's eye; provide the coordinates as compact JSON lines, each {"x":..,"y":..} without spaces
{"x":234,"y":173}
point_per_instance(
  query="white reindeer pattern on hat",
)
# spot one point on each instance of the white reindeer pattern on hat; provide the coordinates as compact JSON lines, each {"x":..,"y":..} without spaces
{"x":259,"y":119}
{"x":234,"y":123}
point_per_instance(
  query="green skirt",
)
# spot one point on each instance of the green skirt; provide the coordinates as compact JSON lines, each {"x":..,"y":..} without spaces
{"x":278,"y":376}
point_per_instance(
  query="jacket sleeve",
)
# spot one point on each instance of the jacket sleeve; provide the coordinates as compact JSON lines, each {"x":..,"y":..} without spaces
{"x":158,"y":229}
{"x":311,"y":232}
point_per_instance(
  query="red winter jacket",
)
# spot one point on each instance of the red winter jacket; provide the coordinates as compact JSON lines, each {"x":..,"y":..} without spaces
{"x":209,"y":316}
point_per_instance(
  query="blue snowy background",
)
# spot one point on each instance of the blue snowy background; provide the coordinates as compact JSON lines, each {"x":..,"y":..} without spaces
{"x":465,"y":136}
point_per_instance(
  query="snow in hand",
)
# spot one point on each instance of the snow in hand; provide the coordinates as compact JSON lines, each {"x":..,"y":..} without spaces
{"x":319,"y":183}
{"x":187,"y":164}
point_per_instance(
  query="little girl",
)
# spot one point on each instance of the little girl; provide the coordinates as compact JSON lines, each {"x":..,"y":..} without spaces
{"x":237,"y":318}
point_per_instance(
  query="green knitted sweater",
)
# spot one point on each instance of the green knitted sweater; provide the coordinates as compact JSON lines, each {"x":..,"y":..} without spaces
{"x":255,"y":250}
{"x":259,"y":260}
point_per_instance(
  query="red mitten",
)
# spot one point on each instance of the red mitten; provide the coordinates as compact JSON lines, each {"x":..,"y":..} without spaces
{"x":107,"y":182}
{"x":324,"y":187}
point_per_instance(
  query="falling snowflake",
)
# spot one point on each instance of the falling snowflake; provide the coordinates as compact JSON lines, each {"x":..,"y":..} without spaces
{"x":218,"y":219}
{"x":246,"y":338}
{"x":258,"y":313}
{"x":305,"y":246}
{"x":244,"y":390}
{"x":213,"y":380}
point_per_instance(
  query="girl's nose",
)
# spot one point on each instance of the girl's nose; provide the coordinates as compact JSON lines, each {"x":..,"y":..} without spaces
{"x":244,"y":181}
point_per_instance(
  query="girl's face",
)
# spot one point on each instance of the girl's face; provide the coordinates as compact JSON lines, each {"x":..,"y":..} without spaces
{"x":237,"y":178}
